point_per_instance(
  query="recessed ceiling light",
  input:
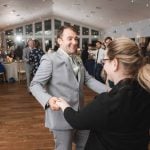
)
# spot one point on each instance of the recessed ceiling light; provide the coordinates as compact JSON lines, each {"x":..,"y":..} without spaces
{"x":98,"y":7}
{"x":92,"y":12}
{"x":5,"y":5}
{"x":76,"y":4}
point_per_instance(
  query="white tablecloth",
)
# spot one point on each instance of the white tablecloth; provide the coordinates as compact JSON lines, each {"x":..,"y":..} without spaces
{"x":11,"y":70}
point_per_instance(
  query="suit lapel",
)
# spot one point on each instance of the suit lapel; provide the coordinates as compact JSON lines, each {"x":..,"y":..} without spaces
{"x":68,"y":64}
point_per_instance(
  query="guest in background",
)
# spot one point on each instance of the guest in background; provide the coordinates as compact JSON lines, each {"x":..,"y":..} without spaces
{"x":107,"y":40}
{"x":118,"y":119}
{"x":35,"y":56}
{"x":98,"y":61}
{"x":91,"y":59}
{"x":85,"y":55}
{"x":2,"y":70}
{"x":2,"y":56}
{"x":25,"y":57}
{"x":18,"y":52}
{"x":147,"y":53}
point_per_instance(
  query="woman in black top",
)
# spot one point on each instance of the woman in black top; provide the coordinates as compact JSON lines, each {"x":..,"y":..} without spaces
{"x":118,"y":119}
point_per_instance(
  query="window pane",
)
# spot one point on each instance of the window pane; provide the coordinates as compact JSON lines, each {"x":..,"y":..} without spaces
{"x":9,"y":32}
{"x":57,"y":24}
{"x":85,"y":31}
{"x":19,"y":31}
{"x":38,"y":28}
{"x":47,"y":25}
{"x":9,"y":38}
{"x":78,"y":29}
{"x":94,"y":32}
{"x":28,"y":29}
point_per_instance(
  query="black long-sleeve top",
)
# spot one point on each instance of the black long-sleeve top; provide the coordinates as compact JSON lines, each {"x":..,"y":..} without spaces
{"x":118,"y":120}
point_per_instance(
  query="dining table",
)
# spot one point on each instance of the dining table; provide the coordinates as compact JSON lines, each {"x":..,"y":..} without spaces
{"x":11,"y":70}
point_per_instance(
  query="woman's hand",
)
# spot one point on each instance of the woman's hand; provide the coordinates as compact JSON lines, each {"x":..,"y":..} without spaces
{"x":62,"y":104}
{"x":53,"y":105}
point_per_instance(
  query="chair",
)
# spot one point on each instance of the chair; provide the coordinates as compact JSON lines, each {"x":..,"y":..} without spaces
{"x":21,"y":71}
{"x":2,"y":75}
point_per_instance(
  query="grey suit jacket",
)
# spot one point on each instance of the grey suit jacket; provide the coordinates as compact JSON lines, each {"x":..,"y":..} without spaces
{"x":55,"y":77}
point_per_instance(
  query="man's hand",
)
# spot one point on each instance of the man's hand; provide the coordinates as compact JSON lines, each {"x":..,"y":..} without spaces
{"x":53,"y":105}
{"x":62,"y":104}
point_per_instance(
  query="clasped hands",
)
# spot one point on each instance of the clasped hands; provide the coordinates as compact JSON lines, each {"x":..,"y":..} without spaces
{"x":58,"y":103}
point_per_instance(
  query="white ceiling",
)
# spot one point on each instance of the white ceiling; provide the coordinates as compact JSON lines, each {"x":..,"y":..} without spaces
{"x":97,"y":13}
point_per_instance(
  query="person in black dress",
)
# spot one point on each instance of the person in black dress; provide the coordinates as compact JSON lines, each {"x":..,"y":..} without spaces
{"x":120,"y":118}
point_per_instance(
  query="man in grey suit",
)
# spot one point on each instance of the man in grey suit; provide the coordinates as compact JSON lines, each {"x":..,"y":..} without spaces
{"x":25,"y":57}
{"x":61,"y":74}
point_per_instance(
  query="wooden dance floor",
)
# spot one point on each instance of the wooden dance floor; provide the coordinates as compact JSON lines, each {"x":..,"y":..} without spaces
{"x":22,"y":119}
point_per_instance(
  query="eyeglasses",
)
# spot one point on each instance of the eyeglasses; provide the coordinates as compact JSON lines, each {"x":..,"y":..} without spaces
{"x":104,"y":60}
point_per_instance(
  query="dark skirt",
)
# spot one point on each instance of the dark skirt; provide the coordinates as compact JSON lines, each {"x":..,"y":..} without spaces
{"x":2,"y":68}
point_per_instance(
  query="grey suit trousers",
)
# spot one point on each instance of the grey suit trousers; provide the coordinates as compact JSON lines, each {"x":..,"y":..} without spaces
{"x":65,"y":138}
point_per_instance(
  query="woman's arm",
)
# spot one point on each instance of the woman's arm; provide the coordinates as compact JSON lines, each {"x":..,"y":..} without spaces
{"x":91,"y":116}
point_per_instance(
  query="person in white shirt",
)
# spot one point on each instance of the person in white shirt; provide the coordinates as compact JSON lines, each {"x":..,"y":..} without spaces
{"x":98,"y":61}
{"x":25,"y":57}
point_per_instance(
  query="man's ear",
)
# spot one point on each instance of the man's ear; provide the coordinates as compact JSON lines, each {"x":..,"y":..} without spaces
{"x":115,"y":64}
{"x":59,"y":40}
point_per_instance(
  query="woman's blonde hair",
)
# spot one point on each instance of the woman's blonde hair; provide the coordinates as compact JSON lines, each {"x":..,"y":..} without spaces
{"x":128,"y":53}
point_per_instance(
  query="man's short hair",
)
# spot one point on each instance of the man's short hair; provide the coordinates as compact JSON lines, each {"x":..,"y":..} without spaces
{"x":108,"y":38}
{"x":99,"y":42}
{"x":62,"y":28}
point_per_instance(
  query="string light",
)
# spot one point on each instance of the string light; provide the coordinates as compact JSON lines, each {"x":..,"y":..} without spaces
{"x":147,"y":4}
{"x":132,"y":1}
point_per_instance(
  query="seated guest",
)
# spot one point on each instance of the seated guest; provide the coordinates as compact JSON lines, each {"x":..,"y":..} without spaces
{"x":2,"y":70}
{"x":118,"y":119}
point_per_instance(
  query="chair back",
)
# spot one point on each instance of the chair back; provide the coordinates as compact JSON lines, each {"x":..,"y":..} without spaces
{"x":21,"y":70}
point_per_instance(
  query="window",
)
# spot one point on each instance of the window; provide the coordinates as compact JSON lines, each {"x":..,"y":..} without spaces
{"x":85,"y":31}
{"x":57,"y":25}
{"x":38,"y":28}
{"x":9,"y":32}
{"x":77,"y":28}
{"x":28,"y":29}
{"x":94,"y":32}
{"x":47,"y":26}
{"x":19,"y":31}
{"x":9,"y":38}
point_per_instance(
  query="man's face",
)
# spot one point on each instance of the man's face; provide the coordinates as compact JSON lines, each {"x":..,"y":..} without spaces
{"x":98,"y":45}
{"x":69,"y":41}
{"x":31,"y":43}
{"x":107,"y":41}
